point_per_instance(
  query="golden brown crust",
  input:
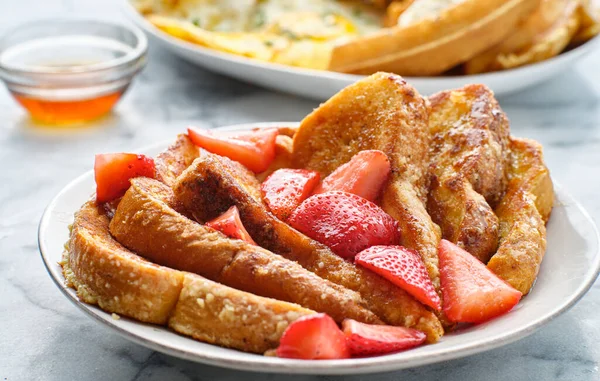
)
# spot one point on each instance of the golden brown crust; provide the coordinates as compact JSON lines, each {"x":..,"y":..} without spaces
{"x":433,"y":45}
{"x":211,"y":186}
{"x":175,"y":159}
{"x":523,"y":213}
{"x":525,"y":34}
{"x":216,"y":314}
{"x":144,"y":218}
{"x":548,"y":44}
{"x":105,"y":273}
{"x":469,"y":157}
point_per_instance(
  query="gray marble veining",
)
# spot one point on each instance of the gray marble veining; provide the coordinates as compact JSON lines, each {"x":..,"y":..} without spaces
{"x":44,"y":337}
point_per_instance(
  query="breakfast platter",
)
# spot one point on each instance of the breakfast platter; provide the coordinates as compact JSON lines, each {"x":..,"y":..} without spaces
{"x":384,"y":231}
{"x":549,"y":37}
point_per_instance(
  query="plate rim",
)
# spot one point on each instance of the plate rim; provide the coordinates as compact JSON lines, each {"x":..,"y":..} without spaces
{"x":258,"y":363}
{"x":144,"y":24}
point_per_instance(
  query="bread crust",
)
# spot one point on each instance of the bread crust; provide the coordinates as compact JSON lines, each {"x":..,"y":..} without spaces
{"x":213,"y":184}
{"x":525,"y":34}
{"x":144,"y":218}
{"x":469,"y":164}
{"x":105,"y":273}
{"x":523,"y":213}
{"x":433,"y":45}
{"x":175,"y":159}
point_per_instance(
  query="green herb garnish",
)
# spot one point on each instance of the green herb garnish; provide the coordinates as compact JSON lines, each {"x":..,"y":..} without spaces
{"x":197,"y":22}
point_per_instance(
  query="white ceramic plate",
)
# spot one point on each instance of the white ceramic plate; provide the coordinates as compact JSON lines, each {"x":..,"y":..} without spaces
{"x":321,"y":85}
{"x":570,"y":267}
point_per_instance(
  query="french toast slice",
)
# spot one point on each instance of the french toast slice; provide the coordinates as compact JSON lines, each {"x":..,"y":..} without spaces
{"x":105,"y":273}
{"x":523,"y":213}
{"x":145,"y":217}
{"x":431,"y":37}
{"x":547,"y":44}
{"x":221,"y":315}
{"x":213,"y":184}
{"x":379,"y":112}
{"x":175,"y":159}
{"x":469,"y":164}
{"x":535,"y":25}
{"x":589,"y":12}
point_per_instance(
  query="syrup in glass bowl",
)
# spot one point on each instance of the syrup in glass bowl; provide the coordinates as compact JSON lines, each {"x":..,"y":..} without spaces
{"x":70,"y":71}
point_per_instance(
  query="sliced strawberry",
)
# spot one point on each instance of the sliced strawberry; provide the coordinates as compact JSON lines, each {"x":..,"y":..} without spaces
{"x":364,"y":175}
{"x":313,"y":337}
{"x":367,"y":340}
{"x":112,"y":172}
{"x":404,"y":268}
{"x":230,"y":224}
{"x":286,"y":188}
{"x":255,"y":150}
{"x":472,"y":293}
{"x":345,"y":222}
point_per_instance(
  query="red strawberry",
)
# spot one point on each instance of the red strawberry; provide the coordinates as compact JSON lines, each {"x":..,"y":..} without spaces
{"x":472,"y":293}
{"x":367,"y":340}
{"x":112,"y":172}
{"x":345,"y":222}
{"x":404,"y":268}
{"x":363,"y":175}
{"x":286,"y":188}
{"x":230,"y":224}
{"x":313,"y":337}
{"x":255,"y":150}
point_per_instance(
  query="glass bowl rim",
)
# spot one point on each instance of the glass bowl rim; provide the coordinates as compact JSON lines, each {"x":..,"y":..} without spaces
{"x":138,"y":50}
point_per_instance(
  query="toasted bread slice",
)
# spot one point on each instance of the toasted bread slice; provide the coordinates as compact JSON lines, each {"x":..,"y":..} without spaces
{"x":589,"y":12}
{"x":548,"y":44}
{"x":107,"y":274}
{"x":525,"y":34}
{"x":144,"y":217}
{"x":217,"y":314}
{"x":379,"y":112}
{"x":213,"y":184}
{"x":469,"y":163}
{"x":175,"y":159}
{"x":523,"y":213}
{"x":426,"y":43}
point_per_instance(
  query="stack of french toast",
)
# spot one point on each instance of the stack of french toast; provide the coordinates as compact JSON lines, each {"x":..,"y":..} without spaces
{"x":384,"y":211}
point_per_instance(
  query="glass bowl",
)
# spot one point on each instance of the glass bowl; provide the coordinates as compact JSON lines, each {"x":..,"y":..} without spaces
{"x":70,"y":70}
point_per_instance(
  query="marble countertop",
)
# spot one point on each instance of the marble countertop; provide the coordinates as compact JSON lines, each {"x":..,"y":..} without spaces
{"x":44,"y":337}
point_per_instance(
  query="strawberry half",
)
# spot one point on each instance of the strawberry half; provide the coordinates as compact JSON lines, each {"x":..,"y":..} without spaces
{"x":313,"y":337}
{"x":345,"y":222}
{"x":404,"y":268}
{"x":364,"y":175}
{"x":112,"y":172}
{"x":230,"y":224}
{"x":472,"y":293}
{"x":255,"y":150}
{"x":286,"y":188}
{"x":367,"y":340}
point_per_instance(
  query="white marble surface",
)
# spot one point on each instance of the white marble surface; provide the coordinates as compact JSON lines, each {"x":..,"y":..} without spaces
{"x":44,"y":337}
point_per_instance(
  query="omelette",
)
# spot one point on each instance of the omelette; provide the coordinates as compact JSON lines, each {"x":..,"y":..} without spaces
{"x":293,"y":32}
